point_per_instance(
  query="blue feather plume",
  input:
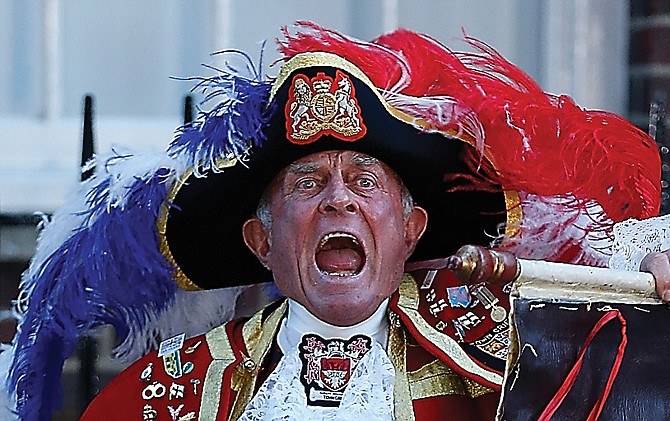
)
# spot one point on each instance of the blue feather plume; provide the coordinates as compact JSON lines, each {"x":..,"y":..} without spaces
{"x":99,"y":262}
{"x":108,"y":271}
{"x":234,"y":125}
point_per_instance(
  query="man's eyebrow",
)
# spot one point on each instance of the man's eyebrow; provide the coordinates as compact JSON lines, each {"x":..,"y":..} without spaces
{"x":364,"y":160}
{"x":302,"y":167}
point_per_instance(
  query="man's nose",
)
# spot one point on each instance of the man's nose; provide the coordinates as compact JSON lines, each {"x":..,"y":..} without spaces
{"x":337,"y":198}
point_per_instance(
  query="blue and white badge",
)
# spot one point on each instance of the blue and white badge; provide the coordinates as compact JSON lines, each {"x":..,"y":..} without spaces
{"x":171,"y":345}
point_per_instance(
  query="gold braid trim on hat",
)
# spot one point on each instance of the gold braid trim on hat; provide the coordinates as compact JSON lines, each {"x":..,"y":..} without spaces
{"x":183,"y":281}
{"x":321,"y":58}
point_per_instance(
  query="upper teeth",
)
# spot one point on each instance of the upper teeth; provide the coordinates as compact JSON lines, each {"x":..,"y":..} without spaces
{"x":337,"y":235}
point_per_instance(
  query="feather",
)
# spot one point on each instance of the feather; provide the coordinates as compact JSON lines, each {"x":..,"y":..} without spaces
{"x":108,"y":270}
{"x":561,"y":228}
{"x":100,"y":253}
{"x":383,"y":66}
{"x":190,"y":312}
{"x":7,"y":398}
{"x":233,"y":125}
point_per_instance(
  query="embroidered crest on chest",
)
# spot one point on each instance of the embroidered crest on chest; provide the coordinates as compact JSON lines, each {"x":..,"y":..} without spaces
{"x":327,"y":366}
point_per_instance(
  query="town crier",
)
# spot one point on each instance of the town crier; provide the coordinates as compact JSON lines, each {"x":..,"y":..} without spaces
{"x":358,"y":158}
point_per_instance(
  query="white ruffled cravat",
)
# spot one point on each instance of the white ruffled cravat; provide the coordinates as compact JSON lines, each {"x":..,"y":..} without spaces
{"x":369,"y":394}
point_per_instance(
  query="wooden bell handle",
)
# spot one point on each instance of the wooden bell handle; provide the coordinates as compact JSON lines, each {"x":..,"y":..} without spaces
{"x":475,"y":264}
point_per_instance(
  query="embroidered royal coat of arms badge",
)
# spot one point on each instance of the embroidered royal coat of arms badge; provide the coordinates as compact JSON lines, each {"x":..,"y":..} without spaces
{"x":323,"y":106}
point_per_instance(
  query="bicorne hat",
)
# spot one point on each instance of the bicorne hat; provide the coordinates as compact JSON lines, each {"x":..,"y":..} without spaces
{"x":320,"y":101}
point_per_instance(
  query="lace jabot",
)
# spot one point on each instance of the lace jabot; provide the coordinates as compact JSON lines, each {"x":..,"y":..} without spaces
{"x":634,"y":239}
{"x":368,"y":394}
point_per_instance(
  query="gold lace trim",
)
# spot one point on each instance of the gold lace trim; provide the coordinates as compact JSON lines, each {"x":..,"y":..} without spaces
{"x":258,"y":338}
{"x":397,"y":352}
{"x":222,"y":357}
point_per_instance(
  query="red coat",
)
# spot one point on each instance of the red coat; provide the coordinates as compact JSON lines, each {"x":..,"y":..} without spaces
{"x":215,"y":375}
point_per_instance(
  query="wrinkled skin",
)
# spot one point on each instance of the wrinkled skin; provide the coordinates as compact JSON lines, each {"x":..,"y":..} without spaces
{"x":346,"y":195}
{"x":658,"y":264}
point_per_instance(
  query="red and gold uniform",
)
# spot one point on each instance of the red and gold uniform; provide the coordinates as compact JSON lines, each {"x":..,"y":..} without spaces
{"x":214,"y":376}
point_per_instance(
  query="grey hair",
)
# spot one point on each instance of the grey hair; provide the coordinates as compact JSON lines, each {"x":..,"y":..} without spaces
{"x":263,"y":212}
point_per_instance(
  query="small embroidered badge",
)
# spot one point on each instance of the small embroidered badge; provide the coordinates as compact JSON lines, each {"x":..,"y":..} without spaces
{"x":172,"y":365}
{"x":327,"y":366}
{"x":323,"y":106}
{"x":459,"y":296}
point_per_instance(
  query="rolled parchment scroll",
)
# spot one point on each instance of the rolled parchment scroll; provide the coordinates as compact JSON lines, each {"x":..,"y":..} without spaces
{"x":536,"y":278}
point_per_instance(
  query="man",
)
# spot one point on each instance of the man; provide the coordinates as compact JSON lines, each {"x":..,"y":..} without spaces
{"x":331,"y":157}
{"x":337,"y":231}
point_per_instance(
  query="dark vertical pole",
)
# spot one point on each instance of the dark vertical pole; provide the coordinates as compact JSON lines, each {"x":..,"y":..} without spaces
{"x":87,"y":149}
{"x":87,"y":344}
{"x":649,"y":83}
{"x":188,"y":109}
{"x":657,"y":131}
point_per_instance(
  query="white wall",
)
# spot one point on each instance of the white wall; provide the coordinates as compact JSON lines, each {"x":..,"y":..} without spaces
{"x":586,"y":52}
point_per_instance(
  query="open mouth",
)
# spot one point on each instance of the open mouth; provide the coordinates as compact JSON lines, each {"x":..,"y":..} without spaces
{"x":340,"y":254}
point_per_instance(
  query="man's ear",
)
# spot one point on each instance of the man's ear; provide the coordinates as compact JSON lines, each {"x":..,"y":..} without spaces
{"x":414,"y":227}
{"x":257,"y":238}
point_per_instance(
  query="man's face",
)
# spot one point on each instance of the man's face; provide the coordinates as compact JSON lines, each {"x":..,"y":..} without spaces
{"x":338,"y":239}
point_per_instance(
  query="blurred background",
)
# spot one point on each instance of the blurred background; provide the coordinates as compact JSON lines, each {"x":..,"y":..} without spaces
{"x":125,"y":54}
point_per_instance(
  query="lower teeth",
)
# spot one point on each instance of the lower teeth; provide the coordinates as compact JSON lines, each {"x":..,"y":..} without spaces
{"x":342,"y":274}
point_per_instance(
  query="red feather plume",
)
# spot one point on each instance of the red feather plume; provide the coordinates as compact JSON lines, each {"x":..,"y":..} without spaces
{"x":593,"y":166}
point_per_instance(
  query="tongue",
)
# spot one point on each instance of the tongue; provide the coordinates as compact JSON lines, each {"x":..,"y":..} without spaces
{"x":339,"y":260}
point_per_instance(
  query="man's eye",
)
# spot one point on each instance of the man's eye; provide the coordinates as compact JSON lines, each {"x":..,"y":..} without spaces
{"x":306,"y":184}
{"x":365,"y":182}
